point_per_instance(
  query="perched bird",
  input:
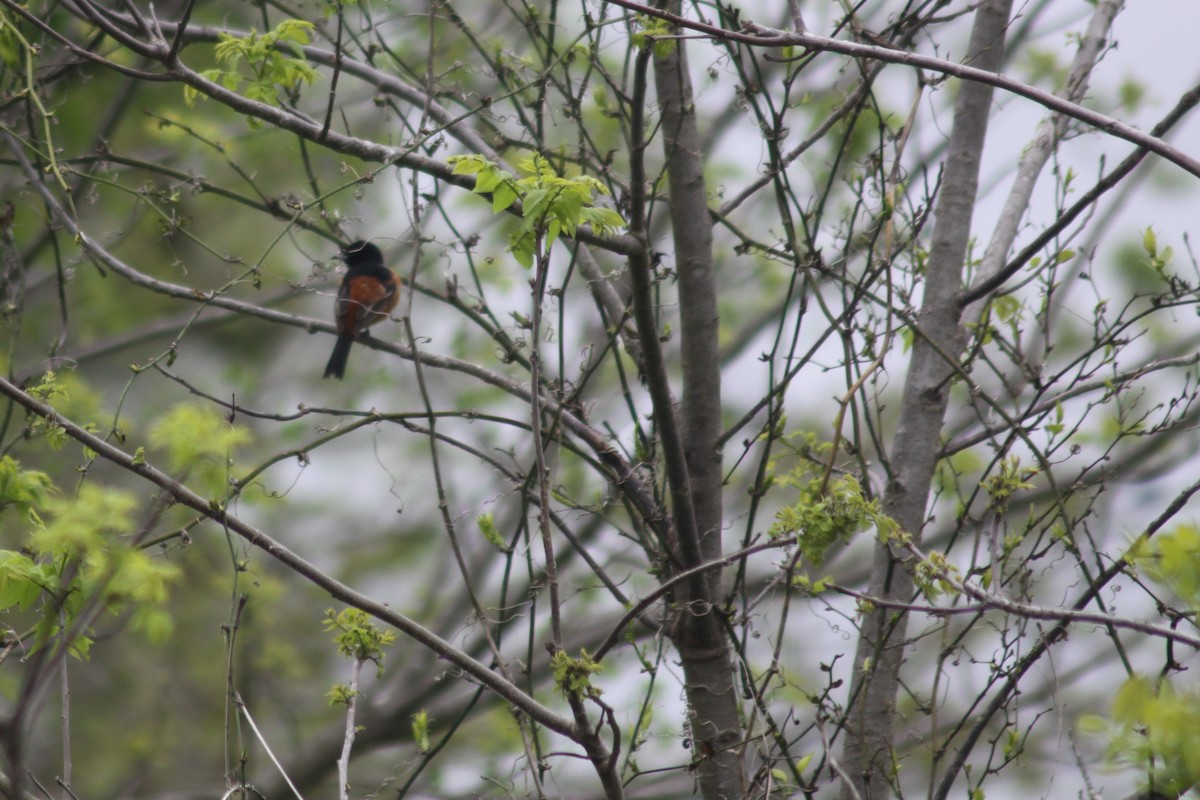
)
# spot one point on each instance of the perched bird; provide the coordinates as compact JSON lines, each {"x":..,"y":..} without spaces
{"x":369,"y":291}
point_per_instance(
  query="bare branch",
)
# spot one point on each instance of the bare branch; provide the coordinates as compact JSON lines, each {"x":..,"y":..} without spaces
{"x":760,"y":36}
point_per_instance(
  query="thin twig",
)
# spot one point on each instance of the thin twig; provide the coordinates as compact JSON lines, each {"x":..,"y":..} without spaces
{"x":180,"y":29}
{"x":343,"y":763}
{"x":538,"y":287}
{"x":65,"y":710}
{"x":847,"y":784}
{"x":245,"y":712}
{"x":337,"y":72}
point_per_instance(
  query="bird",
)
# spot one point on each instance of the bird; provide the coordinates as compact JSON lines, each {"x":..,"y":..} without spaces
{"x":369,"y":291}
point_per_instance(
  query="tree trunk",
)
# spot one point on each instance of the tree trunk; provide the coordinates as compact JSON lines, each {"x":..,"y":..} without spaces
{"x":868,"y":750}
{"x":700,"y":634}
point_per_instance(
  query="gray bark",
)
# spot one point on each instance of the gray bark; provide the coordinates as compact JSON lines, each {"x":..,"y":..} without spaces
{"x":700,"y":634}
{"x":867,"y":755}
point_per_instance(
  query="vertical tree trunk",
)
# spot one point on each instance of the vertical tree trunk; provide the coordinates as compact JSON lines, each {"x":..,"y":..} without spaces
{"x":700,"y":635}
{"x":868,"y":750}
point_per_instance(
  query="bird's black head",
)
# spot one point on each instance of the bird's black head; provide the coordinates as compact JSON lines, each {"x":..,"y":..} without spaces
{"x":360,"y":254}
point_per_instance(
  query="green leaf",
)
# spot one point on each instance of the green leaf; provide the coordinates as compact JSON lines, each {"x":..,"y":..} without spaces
{"x":467,"y":164}
{"x":503,"y":197}
{"x":261,"y":54}
{"x":650,"y":28}
{"x":198,"y":441}
{"x":488,"y":179}
{"x":82,"y":538}
{"x":340,"y":695}
{"x":26,"y":490}
{"x":420,"y":730}
{"x":1154,"y":729}
{"x":229,"y":48}
{"x":1132,"y":699}
{"x":487,"y":526}
{"x":521,"y":247}
{"x":1172,"y":559}
{"x":82,"y":526}
{"x":551,"y":205}
{"x":603,"y":220}
{"x":1150,"y":242}
{"x":262,"y":92}
{"x":822,"y":519}
{"x":357,"y":637}
{"x":573,"y":675}
{"x":1056,"y":427}
{"x":295,"y":30}
{"x":20,"y":582}
{"x":1009,"y":478}
{"x":537,"y":207}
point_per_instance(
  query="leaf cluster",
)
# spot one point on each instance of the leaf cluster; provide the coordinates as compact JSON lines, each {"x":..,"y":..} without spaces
{"x":1172,"y":558}
{"x":198,"y":442}
{"x":1009,"y":479}
{"x":933,"y":575}
{"x":551,"y":205}
{"x":74,"y":555}
{"x":48,"y":390}
{"x":573,"y":676}
{"x":825,"y":513}
{"x":357,"y":637}
{"x":1154,"y":728}
{"x":656,"y":32}
{"x":263,"y":56}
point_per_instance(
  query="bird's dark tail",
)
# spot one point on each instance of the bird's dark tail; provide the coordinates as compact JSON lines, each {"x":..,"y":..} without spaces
{"x":337,"y":362}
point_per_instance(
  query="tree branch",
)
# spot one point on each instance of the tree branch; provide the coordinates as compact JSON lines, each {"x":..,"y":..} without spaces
{"x":760,"y":36}
{"x":339,"y":591}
